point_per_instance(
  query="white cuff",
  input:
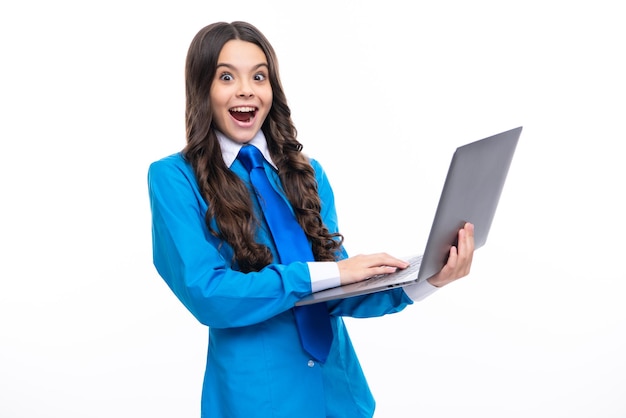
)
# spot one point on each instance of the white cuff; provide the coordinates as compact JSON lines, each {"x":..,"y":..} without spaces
{"x":420,"y":290}
{"x":324,"y":275}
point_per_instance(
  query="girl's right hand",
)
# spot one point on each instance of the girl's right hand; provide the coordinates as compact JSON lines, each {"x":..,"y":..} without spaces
{"x":363,"y":266}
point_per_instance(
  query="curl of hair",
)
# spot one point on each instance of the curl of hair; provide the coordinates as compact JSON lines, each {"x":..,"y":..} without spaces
{"x":228,"y":199}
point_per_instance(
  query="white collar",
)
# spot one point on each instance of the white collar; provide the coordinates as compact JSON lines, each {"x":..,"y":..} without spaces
{"x":230,"y":148}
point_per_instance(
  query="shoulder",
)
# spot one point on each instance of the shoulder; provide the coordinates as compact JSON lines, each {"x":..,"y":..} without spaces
{"x":172,"y":163}
{"x":316,"y":164}
{"x":320,"y":176}
{"x":317,"y":167}
{"x":170,"y":169}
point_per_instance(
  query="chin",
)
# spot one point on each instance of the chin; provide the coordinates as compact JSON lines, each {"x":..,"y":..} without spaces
{"x":242,"y":139}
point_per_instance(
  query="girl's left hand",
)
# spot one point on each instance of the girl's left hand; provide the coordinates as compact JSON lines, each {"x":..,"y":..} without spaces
{"x":460,"y":259}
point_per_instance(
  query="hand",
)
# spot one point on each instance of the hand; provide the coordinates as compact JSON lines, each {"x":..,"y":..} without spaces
{"x":360,"y":267}
{"x":459,"y":260}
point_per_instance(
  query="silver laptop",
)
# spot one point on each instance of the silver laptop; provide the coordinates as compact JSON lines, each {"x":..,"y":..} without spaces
{"x":470,"y":194}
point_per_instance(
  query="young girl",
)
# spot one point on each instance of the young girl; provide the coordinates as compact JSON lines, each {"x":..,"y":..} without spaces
{"x":213,"y":246}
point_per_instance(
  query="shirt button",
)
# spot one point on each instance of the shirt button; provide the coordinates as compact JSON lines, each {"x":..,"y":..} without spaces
{"x":311,"y":363}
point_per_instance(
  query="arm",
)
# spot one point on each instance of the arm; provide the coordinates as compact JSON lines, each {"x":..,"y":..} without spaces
{"x":196,"y":265}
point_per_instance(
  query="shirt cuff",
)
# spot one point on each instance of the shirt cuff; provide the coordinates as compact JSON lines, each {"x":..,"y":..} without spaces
{"x":324,"y":275}
{"x":420,"y":290}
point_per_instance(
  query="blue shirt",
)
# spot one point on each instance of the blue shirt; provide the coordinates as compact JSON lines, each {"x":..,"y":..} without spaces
{"x":256,"y":366}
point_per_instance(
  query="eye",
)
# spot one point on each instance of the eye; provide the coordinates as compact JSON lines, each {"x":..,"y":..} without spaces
{"x":226,"y":77}
{"x":260,"y":77}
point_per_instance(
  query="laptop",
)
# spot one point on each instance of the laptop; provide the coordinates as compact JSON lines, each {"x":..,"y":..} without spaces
{"x":471,"y":193}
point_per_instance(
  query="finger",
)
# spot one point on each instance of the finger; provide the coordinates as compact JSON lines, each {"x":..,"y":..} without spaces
{"x":465,"y":250}
{"x":386,"y":260}
{"x":452,"y":258}
{"x":466,"y":241}
{"x":373,"y":271}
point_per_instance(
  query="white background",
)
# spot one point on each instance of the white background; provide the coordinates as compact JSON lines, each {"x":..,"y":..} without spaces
{"x":381,"y":93}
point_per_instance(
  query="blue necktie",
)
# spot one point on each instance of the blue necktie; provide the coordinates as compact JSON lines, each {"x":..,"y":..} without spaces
{"x":292,"y":244}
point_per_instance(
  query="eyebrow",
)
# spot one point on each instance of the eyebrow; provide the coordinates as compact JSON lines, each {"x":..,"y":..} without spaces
{"x":232,"y":67}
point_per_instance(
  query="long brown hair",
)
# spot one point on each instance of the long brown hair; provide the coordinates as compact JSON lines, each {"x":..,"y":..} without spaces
{"x":228,"y":199}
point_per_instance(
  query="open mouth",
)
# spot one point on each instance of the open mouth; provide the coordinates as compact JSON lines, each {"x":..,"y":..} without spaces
{"x":243,"y":113}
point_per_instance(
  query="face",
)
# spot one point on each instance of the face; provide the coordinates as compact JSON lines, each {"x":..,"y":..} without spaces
{"x":241,"y":94}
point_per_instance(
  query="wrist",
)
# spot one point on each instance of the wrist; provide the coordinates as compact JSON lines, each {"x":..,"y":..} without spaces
{"x":437,"y":281}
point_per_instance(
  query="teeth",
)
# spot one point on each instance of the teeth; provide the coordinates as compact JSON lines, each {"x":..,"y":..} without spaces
{"x":242,"y":109}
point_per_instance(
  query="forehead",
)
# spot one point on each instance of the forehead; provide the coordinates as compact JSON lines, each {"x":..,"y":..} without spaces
{"x":240,"y":53}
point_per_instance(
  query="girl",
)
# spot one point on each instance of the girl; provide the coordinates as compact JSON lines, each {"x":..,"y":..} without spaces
{"x":213,"y":247}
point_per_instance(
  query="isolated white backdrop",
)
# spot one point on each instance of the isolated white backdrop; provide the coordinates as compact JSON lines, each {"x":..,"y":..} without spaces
{"x":382,"y":93}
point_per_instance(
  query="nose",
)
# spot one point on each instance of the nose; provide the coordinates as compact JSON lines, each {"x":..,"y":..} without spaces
{"x":245,"y":89}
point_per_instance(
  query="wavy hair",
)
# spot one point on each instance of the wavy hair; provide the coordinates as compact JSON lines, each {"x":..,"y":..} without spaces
{"x":228,"y":198}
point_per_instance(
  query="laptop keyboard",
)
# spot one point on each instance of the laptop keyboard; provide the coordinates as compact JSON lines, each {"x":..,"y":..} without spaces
{"x":411,"y":270}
